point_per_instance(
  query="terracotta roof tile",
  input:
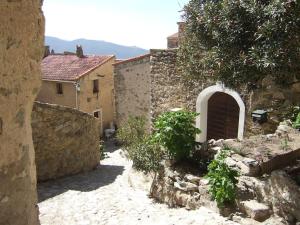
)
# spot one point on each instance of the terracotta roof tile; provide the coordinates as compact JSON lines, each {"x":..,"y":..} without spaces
{"x":173,"y":35}
{"x":70,"y":67}
{"x":131,"y":59}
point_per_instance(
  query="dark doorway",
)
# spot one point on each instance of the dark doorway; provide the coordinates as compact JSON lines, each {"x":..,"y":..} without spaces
{"x":222,"y":117}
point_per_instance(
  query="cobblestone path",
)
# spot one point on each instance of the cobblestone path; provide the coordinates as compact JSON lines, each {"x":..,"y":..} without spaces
{"x":106,"y":196}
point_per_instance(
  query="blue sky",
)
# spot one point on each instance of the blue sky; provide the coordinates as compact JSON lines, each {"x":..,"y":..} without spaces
{"x":142,"y":23}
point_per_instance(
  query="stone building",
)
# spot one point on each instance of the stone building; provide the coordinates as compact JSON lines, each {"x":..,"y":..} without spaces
{"x":81,"y":82}
{"x":132,"y":87}
{"x":173,"y":41}
{"x":224,"y":113}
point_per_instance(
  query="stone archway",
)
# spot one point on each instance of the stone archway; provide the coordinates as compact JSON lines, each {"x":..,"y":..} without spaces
{"x":202,"y":108}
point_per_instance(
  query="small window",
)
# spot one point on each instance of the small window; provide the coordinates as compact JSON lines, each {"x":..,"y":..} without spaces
{"x":95,"y":86}
{"x":59,"y":88}
{"x":96,"y":114}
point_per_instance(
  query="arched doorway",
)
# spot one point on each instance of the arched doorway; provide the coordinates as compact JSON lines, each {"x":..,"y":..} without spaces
{"x":222,"y":113}
{"x":222,"y":116}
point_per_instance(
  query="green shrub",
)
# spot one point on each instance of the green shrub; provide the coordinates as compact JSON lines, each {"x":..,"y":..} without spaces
{"x":146,"y":155}
{"x":222,"y":180}
{"x":132,"y":131}
{"x":291,"y":113}
{"x":296,"y":123}
{"x":175,"y":131}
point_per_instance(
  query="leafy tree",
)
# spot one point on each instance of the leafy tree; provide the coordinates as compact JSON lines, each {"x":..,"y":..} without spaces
{"x":241,"y":41}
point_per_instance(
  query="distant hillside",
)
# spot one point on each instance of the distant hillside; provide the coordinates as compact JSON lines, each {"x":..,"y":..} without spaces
{"x":92,"y":47}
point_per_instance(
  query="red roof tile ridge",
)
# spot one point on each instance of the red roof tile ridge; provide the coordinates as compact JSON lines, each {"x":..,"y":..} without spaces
{"x":132,"y":59}
{"x":95,"y":67}
{"x":173,"y":35}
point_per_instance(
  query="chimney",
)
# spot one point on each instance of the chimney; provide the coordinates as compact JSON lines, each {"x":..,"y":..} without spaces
{"x":79,"y":51}
{"x":46,"y":51}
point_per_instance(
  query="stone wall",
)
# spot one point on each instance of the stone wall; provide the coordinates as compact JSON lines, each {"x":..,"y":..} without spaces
{"x":170,"y":90}
{"x":21,"y":51}
{"x":132,"y":89}
{"x":66,"y":141}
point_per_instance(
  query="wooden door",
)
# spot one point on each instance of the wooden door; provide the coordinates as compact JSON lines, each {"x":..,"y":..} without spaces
{"x":222,"y":117}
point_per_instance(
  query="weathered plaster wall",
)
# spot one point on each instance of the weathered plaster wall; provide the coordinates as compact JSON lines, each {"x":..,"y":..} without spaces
{"x":132,"y":89}
{"x":48,"y":93}
{"x":66,"y":141}
{"x":21,"y":51}
{"x":90,"y":102}
{"x":170,"y":90}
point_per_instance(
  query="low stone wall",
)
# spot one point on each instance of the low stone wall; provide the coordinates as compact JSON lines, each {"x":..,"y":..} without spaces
{"x":66,"y":141}
{"x":267,"y":182}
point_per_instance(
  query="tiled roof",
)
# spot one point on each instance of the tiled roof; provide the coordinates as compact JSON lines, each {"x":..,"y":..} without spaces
{"x":173,"y":35}
{"x":132,"y":59}
{"x":70,"y":67}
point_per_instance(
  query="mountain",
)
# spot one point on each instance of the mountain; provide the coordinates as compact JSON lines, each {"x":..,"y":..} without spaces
{"x":93,"y":47}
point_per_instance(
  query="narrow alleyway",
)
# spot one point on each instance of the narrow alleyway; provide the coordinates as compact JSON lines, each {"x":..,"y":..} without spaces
{"x":106,"y":196}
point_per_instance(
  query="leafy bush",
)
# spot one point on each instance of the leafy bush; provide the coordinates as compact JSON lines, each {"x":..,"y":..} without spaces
{"x":291,"y":113}
{"x":241,"y":42}
{"x":175,"y":131}
{"x":222,"y":180}
{"x":146,"y":155}
{"x":132,"y":131}
{"x":296,"y":123}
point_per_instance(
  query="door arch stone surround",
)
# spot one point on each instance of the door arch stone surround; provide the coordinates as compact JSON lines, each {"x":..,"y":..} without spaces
{"x":202,"y":106}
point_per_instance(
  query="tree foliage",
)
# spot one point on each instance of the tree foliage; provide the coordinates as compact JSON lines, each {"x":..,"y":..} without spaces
{"x":241,"y":41}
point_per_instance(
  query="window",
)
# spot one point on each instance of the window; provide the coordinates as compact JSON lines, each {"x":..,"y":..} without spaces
{"x":59,"y":88}
{"x":95,"y":86}
{"x":96,"y":114}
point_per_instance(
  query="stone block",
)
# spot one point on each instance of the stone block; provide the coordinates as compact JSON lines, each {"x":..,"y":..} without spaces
{"x":185,"y":186}
{"x":192,"y":179}
{"x":249,"y":167}
{"x":256,"y":210}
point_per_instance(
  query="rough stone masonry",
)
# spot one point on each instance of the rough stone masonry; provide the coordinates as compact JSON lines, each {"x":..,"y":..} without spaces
{"x":66,"y":141}
{"x":21,"y":51}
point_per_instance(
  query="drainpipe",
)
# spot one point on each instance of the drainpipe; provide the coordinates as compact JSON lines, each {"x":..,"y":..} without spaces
{"x":77,"y":89}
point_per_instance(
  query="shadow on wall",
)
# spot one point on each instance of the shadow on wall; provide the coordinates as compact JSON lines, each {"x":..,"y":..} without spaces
{"x":84,"y":182}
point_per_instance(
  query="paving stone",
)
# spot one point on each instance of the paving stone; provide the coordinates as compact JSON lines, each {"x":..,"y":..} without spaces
{"x":105,"y":197}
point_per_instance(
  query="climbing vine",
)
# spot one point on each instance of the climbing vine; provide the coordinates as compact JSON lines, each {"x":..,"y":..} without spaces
{"x":240,"y":42}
